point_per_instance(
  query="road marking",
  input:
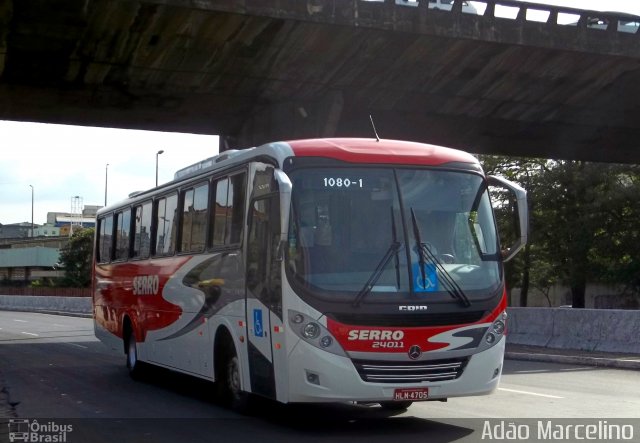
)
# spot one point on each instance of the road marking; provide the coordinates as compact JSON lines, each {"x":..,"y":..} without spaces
{"x":30,"y":333}
{"x":540,"y":371}
{"x":584,"y":368}
{"x":528,"y":393}
{"x":20,"y":321}
{"x":59,"y":325}
{"x":77,"y":345}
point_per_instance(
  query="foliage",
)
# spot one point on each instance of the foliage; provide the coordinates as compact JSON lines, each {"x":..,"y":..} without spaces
{"x":525,"y":269}
{"x":46,"y":282}
{"x":584,"y":224}
{"x":76,"y":258}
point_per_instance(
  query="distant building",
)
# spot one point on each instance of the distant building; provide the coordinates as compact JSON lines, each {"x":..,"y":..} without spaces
{"x":87,"y":218}
{"x":26,"y":264}
{"x":46,"y":230}
{"x":25,"y":257}
{"x":90,"y":210}
{"x":65,"y":220}
{"x":15,"y":230}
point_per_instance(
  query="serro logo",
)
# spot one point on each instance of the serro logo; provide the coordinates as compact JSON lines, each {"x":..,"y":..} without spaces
{"x":146,"y":285}
{"x":375,"y":334}
{"x":413,"y":308}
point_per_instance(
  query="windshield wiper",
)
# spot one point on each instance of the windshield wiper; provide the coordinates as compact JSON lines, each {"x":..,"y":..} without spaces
{"x":423,"y":252}
{"x":368,"y":286}
{"x":394,"y":237}
{"x":452,"y":287}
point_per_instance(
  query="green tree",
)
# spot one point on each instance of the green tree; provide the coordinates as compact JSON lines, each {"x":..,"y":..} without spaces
{"x":524,"y":270}
{"x":76,"y":257}
{"x":593,"y":221}
{"x":584,"y":220}
{"x":615,"y":254}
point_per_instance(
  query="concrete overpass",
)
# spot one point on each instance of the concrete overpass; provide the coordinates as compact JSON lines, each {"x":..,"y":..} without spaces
{"x":261,"y":70}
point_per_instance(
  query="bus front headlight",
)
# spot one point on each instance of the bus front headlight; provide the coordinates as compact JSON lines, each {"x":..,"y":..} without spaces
{"x":495,"y":331}
{"x":311,"y":331}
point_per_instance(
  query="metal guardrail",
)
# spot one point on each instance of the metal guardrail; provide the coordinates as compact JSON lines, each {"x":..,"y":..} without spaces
{"x":498,"y":21}
{"x":554,"y":15}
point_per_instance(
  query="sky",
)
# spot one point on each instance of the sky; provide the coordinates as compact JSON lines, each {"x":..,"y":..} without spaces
{"x":62,"y":162}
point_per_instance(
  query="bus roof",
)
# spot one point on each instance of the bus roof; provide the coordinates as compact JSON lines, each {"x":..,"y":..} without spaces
{"x":366,"y":150}
{"x":350,"y":150}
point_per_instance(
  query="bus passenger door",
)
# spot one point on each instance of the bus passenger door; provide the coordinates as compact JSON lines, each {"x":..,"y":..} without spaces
{"x":264,"y":294}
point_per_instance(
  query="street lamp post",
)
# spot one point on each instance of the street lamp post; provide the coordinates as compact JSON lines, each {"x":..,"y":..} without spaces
{"x":31,"y":186}
{"x":157,"y":154}
{"x":106,"y":176}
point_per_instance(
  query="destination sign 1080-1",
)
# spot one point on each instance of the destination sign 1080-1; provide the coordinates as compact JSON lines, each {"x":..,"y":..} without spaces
{"x":331,"y":182}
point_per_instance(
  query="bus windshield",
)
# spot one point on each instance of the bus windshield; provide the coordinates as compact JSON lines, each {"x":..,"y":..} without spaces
{"x":391,"y":234}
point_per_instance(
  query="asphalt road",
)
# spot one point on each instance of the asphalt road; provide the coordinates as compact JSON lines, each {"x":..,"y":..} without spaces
{"x":53,"y":370}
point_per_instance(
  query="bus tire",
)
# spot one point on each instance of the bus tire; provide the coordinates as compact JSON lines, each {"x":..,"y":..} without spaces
{"x":396,"y":405}
{"x":228,"y":385}
{"x":134,"y":366}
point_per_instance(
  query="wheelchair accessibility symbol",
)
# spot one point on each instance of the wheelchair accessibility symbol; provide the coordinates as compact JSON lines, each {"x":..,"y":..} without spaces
{"x":430,"y":281}
{"x":258,"y":329}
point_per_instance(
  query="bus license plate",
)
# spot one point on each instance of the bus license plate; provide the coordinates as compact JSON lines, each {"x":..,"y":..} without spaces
{"x":413,"y":394}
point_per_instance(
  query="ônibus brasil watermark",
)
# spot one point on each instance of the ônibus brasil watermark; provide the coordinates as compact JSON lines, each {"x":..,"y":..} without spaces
{"x":33,"y":431}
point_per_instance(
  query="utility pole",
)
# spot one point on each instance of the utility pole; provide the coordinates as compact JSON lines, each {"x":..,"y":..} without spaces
{"x":157,"y":154}
{"x":31,"y":186}
{"x":106,"y":176}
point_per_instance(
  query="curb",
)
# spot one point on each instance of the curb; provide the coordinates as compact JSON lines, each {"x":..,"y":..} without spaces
{"x":603,"y":362}
{"x":46,"y":311}
{"x":74,"y":306}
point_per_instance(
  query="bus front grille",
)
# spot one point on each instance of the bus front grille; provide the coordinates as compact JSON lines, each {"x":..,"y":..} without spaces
{"x":403,"y":320}
{"x":410,"y":372}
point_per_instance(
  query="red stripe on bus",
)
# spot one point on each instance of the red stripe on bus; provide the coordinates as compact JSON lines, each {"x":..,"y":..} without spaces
{"x":115,"y":296}
{"x":398,"y":339}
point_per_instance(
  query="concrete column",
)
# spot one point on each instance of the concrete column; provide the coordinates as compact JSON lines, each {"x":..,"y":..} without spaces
{"x":291,"y":120}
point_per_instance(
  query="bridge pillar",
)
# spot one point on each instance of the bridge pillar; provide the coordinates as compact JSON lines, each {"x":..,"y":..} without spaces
{"x":288,"y":121}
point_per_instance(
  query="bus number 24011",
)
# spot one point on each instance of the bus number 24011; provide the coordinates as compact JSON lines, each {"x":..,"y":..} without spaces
{"x":388,"y":344}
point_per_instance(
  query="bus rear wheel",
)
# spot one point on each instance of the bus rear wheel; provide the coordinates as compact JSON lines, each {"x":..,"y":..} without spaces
{"x":134,"y":366}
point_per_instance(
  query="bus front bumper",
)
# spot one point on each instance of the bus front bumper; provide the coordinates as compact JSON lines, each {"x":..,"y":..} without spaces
{"x":318,"y":376}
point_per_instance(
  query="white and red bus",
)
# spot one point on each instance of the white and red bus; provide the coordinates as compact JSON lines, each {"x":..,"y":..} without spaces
{"x":313,"y":271}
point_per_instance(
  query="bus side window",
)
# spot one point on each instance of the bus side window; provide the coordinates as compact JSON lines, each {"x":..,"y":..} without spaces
{"x":166,"y":225}
{"x":220,"y":212}
{"x":201,"y":211}
{"x":187,"y":220}
{"x":142,"y":229}
{"x":235,"y":216}
{"x":228,"y":211}
{"x":123,"y":226}
{"x":105,"y":243}
{"x":194,"y":218}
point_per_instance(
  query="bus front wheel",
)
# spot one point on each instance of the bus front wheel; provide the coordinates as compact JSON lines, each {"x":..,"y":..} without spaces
{"x":229,"y":385}
{"x":396,"y":405}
